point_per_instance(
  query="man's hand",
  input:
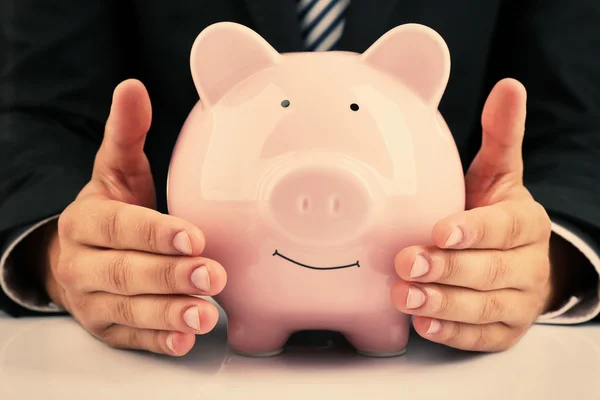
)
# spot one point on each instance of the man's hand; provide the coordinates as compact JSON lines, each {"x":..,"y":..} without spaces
{"x":123,"y":270}
{"x":487,"y":278}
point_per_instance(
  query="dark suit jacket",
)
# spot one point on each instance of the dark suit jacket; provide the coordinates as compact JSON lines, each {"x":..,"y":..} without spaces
{"x":60,"y":61}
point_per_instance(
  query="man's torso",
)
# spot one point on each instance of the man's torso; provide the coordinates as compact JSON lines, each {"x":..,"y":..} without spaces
{"x":160,"y":35}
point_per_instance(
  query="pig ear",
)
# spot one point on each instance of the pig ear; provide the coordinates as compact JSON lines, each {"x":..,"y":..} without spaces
{"x":415,"y":54}
{"x":223,"y":55}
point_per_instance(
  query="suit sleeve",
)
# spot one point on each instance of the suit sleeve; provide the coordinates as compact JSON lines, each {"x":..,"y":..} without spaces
{"x":582,"y":303}
{"x":62,"y":60}
{"x":17,"y":281}
{"x":554,"y":50}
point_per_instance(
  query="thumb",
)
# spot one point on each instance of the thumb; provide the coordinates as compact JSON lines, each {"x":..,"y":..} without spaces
{"x":122,"y":148}
{"x":500,"y":158}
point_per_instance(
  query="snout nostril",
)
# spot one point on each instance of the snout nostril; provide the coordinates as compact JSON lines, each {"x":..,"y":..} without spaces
{"x":304,"y":203}
{"x":335,"y":205}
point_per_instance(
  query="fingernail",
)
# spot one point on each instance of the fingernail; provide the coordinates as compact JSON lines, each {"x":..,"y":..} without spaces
{"x":200,"y":279}
{"x":419,"y":267}
{"x":434,"y":327}
{"x":182,"y":243}
{"x":170,"y":337}
{"x":191,"y":316}
{"x":455,"y":237}
{"x":415,"y":298}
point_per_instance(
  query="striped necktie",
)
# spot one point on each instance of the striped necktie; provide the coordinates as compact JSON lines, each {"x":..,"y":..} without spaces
{"x":322,"y":22}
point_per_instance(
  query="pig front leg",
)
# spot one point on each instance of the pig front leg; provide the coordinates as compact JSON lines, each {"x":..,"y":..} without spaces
{"x":384,"y":335}
{"x":254,"y":338}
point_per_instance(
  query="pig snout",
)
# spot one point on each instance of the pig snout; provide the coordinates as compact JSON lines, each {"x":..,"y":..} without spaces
{"x":320,"y":204}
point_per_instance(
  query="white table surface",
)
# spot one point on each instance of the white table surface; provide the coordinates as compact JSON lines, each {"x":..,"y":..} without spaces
{"x":53,"y":358}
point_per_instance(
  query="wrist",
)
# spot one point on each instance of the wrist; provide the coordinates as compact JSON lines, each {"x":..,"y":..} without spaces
{"x":51,"y":260}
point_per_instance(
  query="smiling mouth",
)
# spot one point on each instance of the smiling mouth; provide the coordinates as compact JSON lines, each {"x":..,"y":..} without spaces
{"x":356,"y":264}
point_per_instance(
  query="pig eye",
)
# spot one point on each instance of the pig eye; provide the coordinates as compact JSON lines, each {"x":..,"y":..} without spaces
{"x":285,"y":103}
{"x":354,"y":107}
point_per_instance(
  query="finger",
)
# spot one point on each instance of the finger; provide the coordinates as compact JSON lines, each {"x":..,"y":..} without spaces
{"x":117,"y":225}
{"x":505,"y":225}
{"x":185,"y":314}
{"x":159,"y":342}
{"x":482,"y":338}
{"x":133,"y":273}
{"x":122,"y":148}
{"x":452,"y":303}
{"x":503,"y":123}
{"x":524,"y":268}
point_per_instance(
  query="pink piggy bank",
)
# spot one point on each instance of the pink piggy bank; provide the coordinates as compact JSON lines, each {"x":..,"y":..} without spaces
{"x":308,"y":173}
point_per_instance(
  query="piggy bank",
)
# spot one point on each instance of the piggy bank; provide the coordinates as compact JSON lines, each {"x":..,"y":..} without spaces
{"x":308,"y":173}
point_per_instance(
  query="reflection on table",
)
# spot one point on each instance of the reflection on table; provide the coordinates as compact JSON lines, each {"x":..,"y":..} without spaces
{"x":53,"y":358}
